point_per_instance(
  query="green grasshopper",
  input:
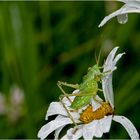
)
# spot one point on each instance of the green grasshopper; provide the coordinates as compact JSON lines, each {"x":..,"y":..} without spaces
{"x":86,"y":90}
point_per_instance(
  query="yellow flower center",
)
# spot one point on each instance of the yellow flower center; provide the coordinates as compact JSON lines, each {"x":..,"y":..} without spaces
{"x":89,"y":115}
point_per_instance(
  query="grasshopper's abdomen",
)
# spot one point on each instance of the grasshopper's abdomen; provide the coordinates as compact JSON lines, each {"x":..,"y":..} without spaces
{"x":88,"y":89}
{"x":80,"y":101}
{"x":89,"y":115}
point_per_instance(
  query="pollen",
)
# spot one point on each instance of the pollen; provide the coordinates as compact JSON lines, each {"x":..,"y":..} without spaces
{"x":89,"y":115}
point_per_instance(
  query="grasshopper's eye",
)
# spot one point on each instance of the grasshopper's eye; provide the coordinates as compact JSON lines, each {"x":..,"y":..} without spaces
{"x":97,"y":77}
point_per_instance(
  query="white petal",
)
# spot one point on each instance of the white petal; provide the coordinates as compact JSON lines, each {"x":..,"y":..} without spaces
{"x":107,"y":79}
{"x":98,"y":98}
{"x":130,"y":9}
{"x":96,"y":104}
{"x":89,"y":130}
{"x":107,"y":18}
{"x":76,"y":91}
{"x":55,"y":108}
{"x":57,"y":131}
{"x":51,"y":126}
{"x":110,"y":66}
{"x":98,"y":132}
{"x":127,"y":124}
{"x":131,"y":2}
{"x":81,"y":109}
{"x":105,"y":124}
{"x":118,"y":57}
{"x":127,"y":8}
{"x":66,"y":101}
{"x":108,"y":89}
{"x":73,"y":134}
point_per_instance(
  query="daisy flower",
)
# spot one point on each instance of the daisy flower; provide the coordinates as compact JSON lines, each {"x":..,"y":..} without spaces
{"x":130,"y":6}
{"x":92,"y":120}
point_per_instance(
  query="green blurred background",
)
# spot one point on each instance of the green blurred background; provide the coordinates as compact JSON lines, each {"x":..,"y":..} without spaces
{"x":43,"y":42}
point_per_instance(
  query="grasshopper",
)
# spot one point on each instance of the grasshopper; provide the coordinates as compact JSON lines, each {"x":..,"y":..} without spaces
{"x":87,"y":89}
{"x":89,"y":86}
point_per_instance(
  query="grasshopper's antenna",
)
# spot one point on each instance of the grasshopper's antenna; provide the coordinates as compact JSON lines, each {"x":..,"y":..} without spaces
{"x":98,"y":57}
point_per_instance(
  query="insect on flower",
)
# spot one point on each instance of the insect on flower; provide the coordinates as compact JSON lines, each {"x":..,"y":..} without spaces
{"x":84,"y":91}
{"x":95,"y":119}
{"x":89,"y":87}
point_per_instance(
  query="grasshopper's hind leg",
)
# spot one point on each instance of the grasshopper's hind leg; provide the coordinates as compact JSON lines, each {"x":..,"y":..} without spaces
{"x":75,"y":86}
{"x":59,"y":84}
{"x":72,"y":119}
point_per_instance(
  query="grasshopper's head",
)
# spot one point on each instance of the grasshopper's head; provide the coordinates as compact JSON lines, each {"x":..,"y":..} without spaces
{"x":95,"y":72}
